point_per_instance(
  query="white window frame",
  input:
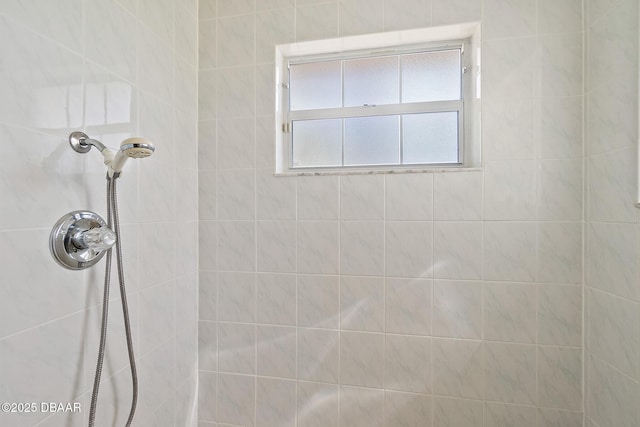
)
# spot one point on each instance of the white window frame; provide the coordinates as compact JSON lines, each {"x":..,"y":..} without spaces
{"x":463,"y":36}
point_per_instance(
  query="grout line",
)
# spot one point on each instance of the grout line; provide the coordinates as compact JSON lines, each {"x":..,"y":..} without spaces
{"x":255,"y":220}
{"x":217,"y":228}
{"x":585,"y":218}
{"x":384,"y":295}
{"x":339,"y":385}
{"x":433,"y":280}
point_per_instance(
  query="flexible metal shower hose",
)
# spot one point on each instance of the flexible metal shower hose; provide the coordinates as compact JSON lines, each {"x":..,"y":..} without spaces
{"x":112,"y":213}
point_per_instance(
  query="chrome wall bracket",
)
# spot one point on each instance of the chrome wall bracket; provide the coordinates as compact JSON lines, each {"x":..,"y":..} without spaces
{"x":77,"y":141}
{"x":80,"y":239}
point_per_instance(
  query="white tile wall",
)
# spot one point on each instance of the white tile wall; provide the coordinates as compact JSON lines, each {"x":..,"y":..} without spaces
{"x":362,"y":407}
{"x":406,"y":14}
{"x":509,"y":314}
{"x":559,"y":315}
{"x":408,"y":248}
{"x":510,"y":251}
{"x":318,"y":355}
{"x":406,"y":409}
{"x":559,"y":373}
{"x":236,"y":399}
{"x":510,"y":190}
{"x":276,"y":299}
{"x":318,"y":247}
{"x":362,"y":303}
{"x":560,"y":194}
{"x":317,"y":198}
{"x":318,"y":404}
{"x":276,"y":402}
{"x":502,"y":415}
{"x":408,"y":306}
{"x":435,"y":299}
{"x":457,"y":250}
{"x":611,"y":273}
{"x":236,"y":296}
{"x":510,"y":373}
{"x":457,"y":368}
{"x":362,"y":197}
{"x":113,"y":69}
{"x":362,"y":359}
{"x":558,"y":418}
{"x":401,"y":202}
{"x":319,"y":301}
{"x":611,"y":395}
{"x":362,"y":250}
{"x":237,"y":348}
{"x":316,"y":21}
{"x":277,"y":351}
{"x":505,"y":18}
{"x":408,"y":363}
{"x":449,"y":412}
{"x":457,"y":309}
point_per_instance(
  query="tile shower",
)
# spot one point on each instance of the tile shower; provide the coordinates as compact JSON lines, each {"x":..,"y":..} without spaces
{"x":507,"y":296}
{"x":444,"y":299}
{"x":114,"y":69}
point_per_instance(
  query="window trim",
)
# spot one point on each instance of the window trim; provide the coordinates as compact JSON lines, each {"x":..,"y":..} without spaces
{"x":463,"y":36}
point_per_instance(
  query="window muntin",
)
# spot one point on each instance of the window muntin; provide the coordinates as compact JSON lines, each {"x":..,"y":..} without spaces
{"x":376,"y":110}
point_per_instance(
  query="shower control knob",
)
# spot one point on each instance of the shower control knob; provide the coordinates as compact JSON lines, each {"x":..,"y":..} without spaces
{"x":80,"y":239}
{"x":98,"y":239}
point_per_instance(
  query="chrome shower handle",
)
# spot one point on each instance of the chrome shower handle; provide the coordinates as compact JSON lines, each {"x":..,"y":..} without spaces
{"x":80,"y":239}
{"x":98,"y":239}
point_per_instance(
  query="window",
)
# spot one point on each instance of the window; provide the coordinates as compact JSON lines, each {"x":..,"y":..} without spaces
{"x":379,"y":107}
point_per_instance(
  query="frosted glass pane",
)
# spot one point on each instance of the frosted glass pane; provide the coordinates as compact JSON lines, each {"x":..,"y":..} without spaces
{"x":431,"y":76}
{"x":372,"y":140}
{"x":317,"y":143}
{"x":373,"y":81}
{"x":315,"y":85}
{"x":430,"y":138}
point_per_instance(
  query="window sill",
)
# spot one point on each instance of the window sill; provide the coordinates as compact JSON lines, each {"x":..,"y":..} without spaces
{"x":434,"y":169}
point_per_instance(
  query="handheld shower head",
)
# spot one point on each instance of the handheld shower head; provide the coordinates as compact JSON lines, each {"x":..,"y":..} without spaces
{"x":135,"y":148}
